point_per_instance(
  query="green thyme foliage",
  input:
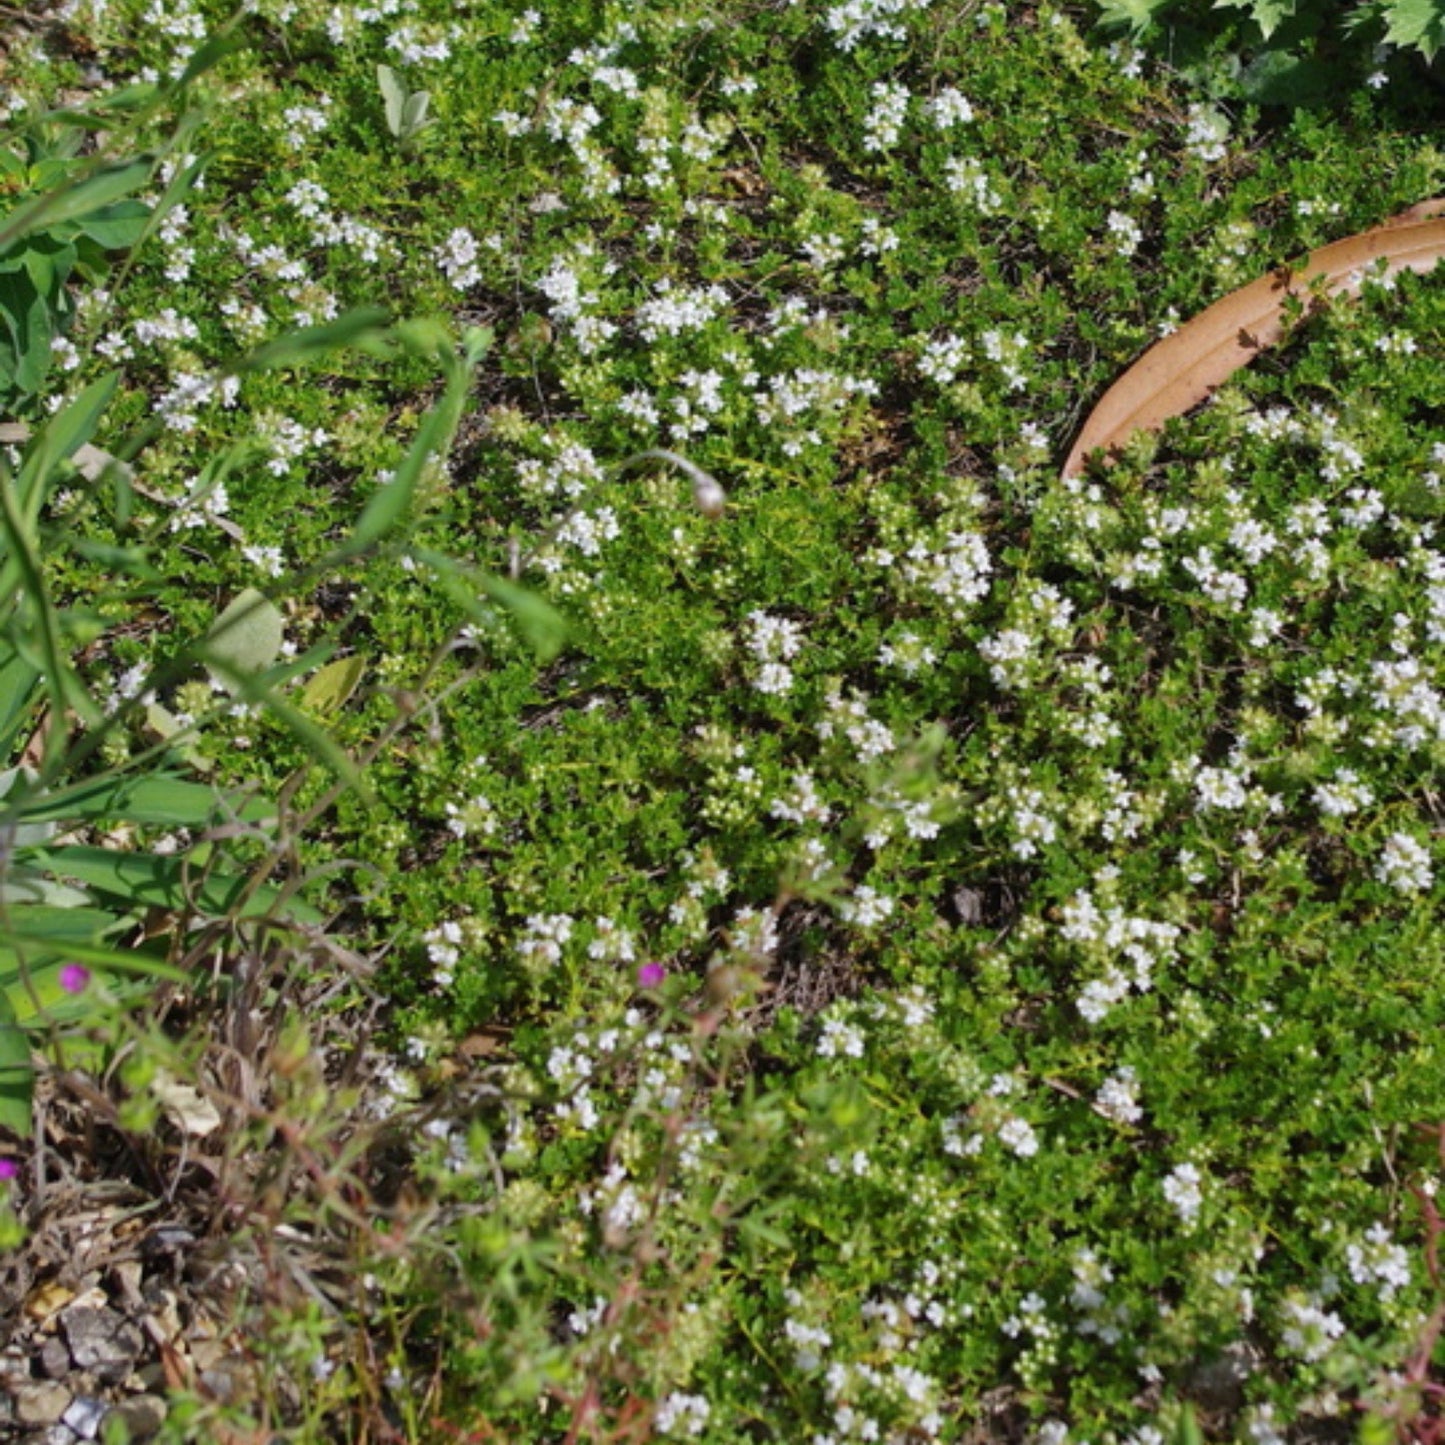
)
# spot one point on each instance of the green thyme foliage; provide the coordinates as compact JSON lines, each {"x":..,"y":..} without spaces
{"x":940,"y":952}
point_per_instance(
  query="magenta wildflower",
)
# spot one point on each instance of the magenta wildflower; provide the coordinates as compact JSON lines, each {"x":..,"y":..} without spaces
{"x":75,"y":978}
{"x":650,"y":975}
{"x":9,"y":1169}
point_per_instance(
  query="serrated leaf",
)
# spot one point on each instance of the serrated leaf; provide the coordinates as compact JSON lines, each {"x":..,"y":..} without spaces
{"x":1419,"y":23}
{"x":1186,"y":367}
{"x":1137,"y":16}
{"x":245,"y":639}
{"x":1269,"y":15}
{"x":332,"y":687}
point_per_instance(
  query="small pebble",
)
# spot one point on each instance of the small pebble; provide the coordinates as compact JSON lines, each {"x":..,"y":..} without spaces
{"x":85,"y":1415}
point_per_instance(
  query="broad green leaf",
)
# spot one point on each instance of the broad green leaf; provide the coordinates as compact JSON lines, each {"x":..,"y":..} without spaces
{"x":1137,"y":16}
{"x":245,"y":639}
{"x":97,"y":190}
{"x":393,"y":96}
{"x":414,"y":115}
{"x":165,"y":802}
{"x":1420,"y":23}
{"x":21,"y":884}
{"x":333,"y":685}
{"x":26,"y":314}
{"x":1269,"y":15}
{"x":46,"y":926}
{"x":359,"y":327}
{"x":17,"y":1074}
{"x":117,"y":227}
{"x":39,"y":964}
{"x":153,"y":881}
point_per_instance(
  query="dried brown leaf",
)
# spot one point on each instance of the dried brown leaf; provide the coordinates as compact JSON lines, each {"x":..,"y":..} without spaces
{"x":1186,"y":367}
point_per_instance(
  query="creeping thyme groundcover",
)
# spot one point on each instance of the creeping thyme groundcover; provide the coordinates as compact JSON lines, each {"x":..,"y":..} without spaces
{"x":941,"y":952}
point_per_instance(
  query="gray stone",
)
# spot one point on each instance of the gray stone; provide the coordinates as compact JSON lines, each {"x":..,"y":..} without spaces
{"x":54,"y":1359}
{"x":143,"y":1415}
{"x":40,"y":1402}
{"x":84,"y":1416}
{"x":102,"y":1341}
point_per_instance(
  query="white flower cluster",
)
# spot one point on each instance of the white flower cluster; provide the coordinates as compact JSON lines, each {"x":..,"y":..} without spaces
{"x":774,"y":642}
{"x":474,"y":816}
{"x":1115,"y":937}
{"x":1344,"y":795}
{"x":677,"y":309}
{"x":856,"y":20}
{"x":867,"y":908}
{"x":943,"y":358}
{"x":883,"y":125}
{"x":841,"y":1038}
{"x":457,"y":257}
{"x":443,"y":949}
{"x":540,"y":945}
{"x":1405,"y":865}
{"x":1310,"y":1330}
{"x":1206,"y":133}
{"x":849,"y":718}
{"x":305,"y":121}
{"x":908,"y":653}
{"x":1126,"y":232}
{"x":1378,"y":1261}
{"x":967,"y":177}
{"x":948,"y":108}
{"x":682,"y":1414}
{"x":1118,"y":1097}
{"x":287,"y":441}
{"x":802,"y":803}
{"x":795,"y":394}
{"x":1100,"y":1319}
{"x":1184,"y":1189}
{"x":957,"y":572}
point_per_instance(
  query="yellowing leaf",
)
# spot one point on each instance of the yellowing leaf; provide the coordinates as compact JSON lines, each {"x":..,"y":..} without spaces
{"x":333,"y":685}
{"x":1186,"y":367}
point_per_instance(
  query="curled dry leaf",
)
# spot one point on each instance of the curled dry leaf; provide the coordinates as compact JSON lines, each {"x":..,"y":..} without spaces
{"x":1185,"y":367}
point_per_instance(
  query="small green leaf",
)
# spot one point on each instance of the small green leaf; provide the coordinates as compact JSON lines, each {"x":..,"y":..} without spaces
{"x":245,"y":639}
{"x":333,"y":686}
